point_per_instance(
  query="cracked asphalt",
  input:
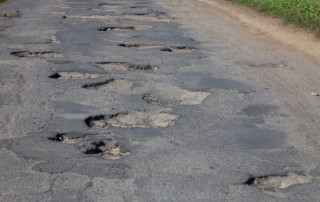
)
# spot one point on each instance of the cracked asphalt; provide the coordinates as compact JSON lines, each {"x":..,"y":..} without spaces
{"x":145,"y":100}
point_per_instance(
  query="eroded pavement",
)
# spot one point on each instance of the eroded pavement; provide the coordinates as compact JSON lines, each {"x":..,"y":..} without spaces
{"x":151,"y":101}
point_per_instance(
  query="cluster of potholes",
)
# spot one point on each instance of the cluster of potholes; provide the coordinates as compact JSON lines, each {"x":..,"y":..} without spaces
{"x":107,"y":146}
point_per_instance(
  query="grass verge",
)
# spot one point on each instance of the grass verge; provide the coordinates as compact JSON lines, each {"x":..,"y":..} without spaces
{"x":302,"y":13}
{"x":1,"y":1}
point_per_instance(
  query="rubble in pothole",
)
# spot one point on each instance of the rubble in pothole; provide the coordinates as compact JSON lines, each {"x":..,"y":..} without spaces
{"x":133,"y":119}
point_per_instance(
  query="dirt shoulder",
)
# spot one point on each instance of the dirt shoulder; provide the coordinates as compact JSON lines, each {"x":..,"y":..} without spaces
{"x":302,"y":40}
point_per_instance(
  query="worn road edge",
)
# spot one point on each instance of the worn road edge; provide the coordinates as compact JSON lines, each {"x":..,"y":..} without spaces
{"x":302,"y":40}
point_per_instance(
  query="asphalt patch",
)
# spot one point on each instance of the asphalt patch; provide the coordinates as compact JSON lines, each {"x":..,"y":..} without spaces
{"x":260,"y":110}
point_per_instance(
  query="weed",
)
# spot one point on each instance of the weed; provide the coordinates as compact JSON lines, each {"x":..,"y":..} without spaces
{"x":302,"y":13}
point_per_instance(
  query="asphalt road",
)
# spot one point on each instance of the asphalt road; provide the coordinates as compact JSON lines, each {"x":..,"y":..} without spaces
{"x":147,"y":100}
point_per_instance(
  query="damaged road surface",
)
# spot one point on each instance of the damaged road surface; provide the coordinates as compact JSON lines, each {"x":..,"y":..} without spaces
{"x":146,"y":100}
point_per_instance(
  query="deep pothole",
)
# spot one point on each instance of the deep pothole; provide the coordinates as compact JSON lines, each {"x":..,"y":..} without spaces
{"x":178,"y":49}
{"x":124,"y":66}
{"x":44,"y":54}
{"x":102,"y":145}
{"x":274,"y":182}
{"x":75,"y":75}
{"x":133,"y":119}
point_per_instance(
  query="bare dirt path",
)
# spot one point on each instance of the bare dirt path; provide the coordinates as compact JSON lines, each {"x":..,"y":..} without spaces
{"x":150,"y":100}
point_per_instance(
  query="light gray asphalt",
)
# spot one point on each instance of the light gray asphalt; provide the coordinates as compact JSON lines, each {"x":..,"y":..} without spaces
{"x":137,"y":110}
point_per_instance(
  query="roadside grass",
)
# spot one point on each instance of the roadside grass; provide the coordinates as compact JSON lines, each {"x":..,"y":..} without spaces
{"x":1,"y":1}
{"x":302,"y":13}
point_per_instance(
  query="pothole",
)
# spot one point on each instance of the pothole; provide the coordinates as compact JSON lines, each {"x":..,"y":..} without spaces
{"x":123,"y":66}
{"x":63,"y":137}
{"x":129,"y":45}
{"x":178,"y":49}
{"x":114,"y":85}
{"x":14,"y":14}
{"x":274,"y":182}
{"x":75,"y":75}
{"x":96,"y":85}
{"x":133,"y":119}
{"x":103,"y":145}
{"x":136,"y":46}
{"x":108,"y":148}
{"x":125,"y":28}
{"x":45,"y":54}
{"x":171,"y":95}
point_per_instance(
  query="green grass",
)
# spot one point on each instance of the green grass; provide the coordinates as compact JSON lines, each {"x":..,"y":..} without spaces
{"x":302,"y":13}
{"x":1,"y":1}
